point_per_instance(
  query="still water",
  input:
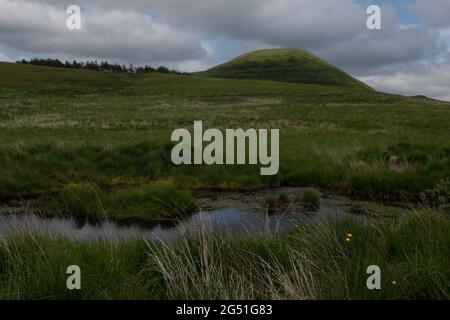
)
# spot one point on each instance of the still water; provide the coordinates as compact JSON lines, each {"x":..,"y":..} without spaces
{"x":230,"y":220}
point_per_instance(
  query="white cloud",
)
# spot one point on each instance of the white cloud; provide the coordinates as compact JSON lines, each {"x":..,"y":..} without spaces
{"x":431,"y":79}
{"x":4,"y":58}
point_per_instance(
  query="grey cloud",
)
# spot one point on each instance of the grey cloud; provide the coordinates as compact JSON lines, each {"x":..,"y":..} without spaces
{"x":127,"y":35}
{"x":436,"y":13}
{"x":334,"y":29}
{"x":383,"y":49}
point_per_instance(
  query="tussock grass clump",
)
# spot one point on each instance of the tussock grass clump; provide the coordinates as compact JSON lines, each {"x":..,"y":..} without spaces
{"x":280,"y":202}
{"x":207,"y":266}
{"x":310,"y":199}
{"x":439,"y":196}
{"x":33,"y":266}
{"x":400,"y":172}
{"x":283,"y":197}
{"x":157,"y":200}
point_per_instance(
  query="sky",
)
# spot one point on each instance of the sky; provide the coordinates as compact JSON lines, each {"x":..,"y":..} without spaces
{"x":410,"y":55}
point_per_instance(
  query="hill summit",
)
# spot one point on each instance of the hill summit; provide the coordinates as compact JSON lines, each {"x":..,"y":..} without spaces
{"x":285,"y":65}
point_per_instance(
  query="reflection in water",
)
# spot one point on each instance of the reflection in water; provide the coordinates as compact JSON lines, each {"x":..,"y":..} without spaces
{"x":231,"y":220}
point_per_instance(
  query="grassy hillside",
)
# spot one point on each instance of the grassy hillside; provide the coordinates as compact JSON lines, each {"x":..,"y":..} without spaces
{"x":71,"y":134}
{"x":285,"y":65}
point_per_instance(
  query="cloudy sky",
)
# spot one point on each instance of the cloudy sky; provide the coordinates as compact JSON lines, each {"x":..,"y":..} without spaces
{"x":410,"y":55}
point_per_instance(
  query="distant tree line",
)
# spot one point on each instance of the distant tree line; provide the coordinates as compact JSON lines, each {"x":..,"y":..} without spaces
{"x":103,"y":66}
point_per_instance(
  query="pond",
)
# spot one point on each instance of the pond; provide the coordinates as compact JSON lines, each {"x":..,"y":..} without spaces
{"x":229,"y":220}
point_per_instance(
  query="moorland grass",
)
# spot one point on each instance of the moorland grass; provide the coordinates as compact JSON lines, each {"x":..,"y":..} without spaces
{"x":310,"y":198}
{"x":61,"y":127}
{"x":315,"y":261}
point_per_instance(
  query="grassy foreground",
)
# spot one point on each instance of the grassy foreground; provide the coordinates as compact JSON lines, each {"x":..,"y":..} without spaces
{"x":312,"y":262}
